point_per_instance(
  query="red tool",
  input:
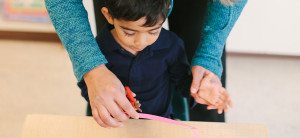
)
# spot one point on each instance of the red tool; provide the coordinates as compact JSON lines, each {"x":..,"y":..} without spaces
{"x":135,"y":103}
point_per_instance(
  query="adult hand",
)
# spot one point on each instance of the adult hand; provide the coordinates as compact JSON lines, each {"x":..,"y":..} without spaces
{"x":109,"y":105}
{"x":206,"y":86}
{"x":211,"y":89}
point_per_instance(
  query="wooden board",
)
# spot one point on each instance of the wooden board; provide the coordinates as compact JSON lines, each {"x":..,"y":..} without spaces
{"x":54,"y":126}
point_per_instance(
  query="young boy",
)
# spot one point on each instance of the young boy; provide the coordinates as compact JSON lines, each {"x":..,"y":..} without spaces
{"x":143,"y":55}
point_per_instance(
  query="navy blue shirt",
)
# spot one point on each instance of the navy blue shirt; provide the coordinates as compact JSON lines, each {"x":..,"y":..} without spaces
{"x":153,"y":74}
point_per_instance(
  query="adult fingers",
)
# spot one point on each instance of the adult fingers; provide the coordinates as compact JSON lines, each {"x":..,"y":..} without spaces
{"x":97,"y":118}
{"x":198,"y":73}
{"x":126,"y":106}
{"x":116,"y":111}
{"x":199,"y":99}
{"x":106,"y":117}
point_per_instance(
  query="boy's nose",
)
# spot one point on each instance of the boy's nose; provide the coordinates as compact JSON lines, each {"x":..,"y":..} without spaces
{"x":140,"y":42}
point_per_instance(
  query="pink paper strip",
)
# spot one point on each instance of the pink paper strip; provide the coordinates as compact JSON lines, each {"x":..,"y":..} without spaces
{"x":170,"y":121}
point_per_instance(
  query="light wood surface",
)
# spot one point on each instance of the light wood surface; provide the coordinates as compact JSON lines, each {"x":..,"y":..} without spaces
{"x":54,"y":126}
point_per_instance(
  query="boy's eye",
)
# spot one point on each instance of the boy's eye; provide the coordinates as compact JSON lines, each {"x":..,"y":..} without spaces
{"x":129,"y":33}
{"x":154,"y":32}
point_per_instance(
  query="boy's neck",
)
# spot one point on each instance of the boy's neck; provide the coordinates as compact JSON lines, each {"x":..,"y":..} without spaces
{"x":114,"y":34}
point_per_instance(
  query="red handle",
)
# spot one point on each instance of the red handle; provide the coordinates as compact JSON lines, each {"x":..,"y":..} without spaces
{"x":129,"y":95}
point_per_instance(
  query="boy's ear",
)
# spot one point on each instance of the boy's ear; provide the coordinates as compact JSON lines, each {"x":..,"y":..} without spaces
{"x":107,"y":15}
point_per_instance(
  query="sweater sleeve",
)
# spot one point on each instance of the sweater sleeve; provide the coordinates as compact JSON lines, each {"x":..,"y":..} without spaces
{"x":218,"y":23}
{"x":70,"y":21}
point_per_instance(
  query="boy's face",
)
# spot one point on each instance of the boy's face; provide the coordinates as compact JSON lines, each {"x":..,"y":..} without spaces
{"x":133,"y":36}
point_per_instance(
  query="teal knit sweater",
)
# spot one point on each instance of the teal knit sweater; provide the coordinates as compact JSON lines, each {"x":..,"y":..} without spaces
{"x":70,"y":20}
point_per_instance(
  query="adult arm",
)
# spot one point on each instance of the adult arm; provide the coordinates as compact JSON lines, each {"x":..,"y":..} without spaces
{"x":218,"y":23}
{"x":70,"y":20}
{"x":106,"y":92}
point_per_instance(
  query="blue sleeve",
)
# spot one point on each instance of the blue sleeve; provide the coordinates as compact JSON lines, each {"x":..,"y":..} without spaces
{"x":218,"y":23}
{"x":70,"y":21}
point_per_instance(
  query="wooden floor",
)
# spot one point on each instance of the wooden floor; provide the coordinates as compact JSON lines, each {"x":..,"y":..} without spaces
{"x":35,"y":77}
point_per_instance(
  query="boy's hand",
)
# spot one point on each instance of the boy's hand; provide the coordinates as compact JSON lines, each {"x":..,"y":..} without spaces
{"x":109,"y":105}
{"x":223,"y":104}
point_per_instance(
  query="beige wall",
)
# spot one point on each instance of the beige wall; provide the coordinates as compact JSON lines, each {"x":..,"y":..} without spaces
{"x":268,"y":26}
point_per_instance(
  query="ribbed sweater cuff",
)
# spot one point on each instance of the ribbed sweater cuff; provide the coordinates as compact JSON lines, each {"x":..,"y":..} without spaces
{"x":209,"y":64}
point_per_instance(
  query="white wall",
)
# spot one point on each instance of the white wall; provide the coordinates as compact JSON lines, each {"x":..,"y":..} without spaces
{"x":88,"y":4}
{"x":267,"y":26}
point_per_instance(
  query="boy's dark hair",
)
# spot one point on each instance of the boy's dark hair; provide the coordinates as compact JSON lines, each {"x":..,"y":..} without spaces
{"x":133,"y":10}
